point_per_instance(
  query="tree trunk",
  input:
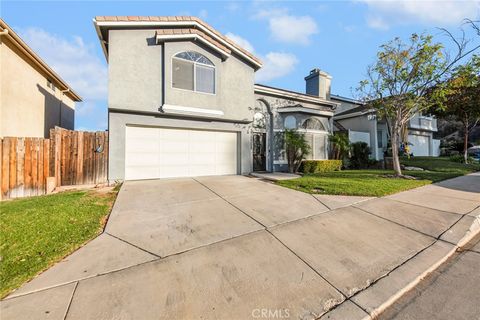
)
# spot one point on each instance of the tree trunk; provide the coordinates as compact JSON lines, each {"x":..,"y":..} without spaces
{"x":395,"y":138}
{"x":465,"y":142}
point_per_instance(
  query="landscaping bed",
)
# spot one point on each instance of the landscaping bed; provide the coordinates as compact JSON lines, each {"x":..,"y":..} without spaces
{"x":379,"y":182}
{"x":36,"y":232}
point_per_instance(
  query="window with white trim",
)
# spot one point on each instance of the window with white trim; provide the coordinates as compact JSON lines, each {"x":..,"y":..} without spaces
{"x":193,"y":71}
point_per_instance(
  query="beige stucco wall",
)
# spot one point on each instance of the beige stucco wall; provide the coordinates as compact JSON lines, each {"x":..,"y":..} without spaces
{"x":28,"y":108}
{"x":135,"y":77}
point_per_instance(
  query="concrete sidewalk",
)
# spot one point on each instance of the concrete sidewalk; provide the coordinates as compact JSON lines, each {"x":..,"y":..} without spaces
{"x":238,"y":248}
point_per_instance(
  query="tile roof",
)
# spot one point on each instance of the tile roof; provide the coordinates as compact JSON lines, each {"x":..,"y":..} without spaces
{"x":176,"y":19}
{"x":362,"y":109}
{"x":186,"y":31}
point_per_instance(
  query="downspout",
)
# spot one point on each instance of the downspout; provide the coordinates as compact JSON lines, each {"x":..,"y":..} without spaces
{"x":164,"y":82}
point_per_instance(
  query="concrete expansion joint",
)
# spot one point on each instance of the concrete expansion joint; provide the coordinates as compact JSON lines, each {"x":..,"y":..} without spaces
{"x":133,"y":245}
{"x":71,"y":299}
{"x":330,"y":209}
{"x":473,"y":232}
{"x":398,"y":224}
{"x":264,"y":226}
{"x":418,"y":205}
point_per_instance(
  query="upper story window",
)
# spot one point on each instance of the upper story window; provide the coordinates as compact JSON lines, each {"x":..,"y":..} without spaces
{"x":193,"y":71}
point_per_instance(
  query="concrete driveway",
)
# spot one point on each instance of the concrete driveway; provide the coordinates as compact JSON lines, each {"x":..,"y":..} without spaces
{"x":238,"y":248}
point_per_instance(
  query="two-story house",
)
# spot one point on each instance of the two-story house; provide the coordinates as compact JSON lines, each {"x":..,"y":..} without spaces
{"x":33,"y":98}
{"x":182,"y":102}
{"x":362,"y":124}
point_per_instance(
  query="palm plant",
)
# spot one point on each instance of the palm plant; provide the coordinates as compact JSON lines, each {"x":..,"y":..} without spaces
{"x":340,"y":146}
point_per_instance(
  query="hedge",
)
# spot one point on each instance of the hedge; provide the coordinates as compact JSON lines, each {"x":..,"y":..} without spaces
{"x":316,"y":166}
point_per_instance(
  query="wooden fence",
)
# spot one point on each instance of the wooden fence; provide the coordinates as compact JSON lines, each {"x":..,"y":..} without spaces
{"x":33,"y":166}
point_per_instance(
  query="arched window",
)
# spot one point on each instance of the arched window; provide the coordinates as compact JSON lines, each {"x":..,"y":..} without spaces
{"x":313,"y":124}
{"x":259,"y":121}
{"x":290,"y":122}
{"x":193,"y":71}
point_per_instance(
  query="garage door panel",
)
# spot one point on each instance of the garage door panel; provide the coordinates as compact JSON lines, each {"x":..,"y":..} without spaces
{"x":201,"y":170}
{"x":174,"y":171}
{"x":143,"y":159}
{"x":206,"y":159}
{"x":142,"y":172}
{"x":174,"y":159}
{"x":168,"y":153}
{"x":143,"y":145}
{"x":224,"y":169}
{"x":419,"y":145}
{"x":142,"y":132}
{"x":202,"y":146}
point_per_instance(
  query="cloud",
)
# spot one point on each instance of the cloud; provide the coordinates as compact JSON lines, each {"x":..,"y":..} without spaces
{"x":203,"y":14}
{"x":288,"y":28}
{"x":384,"y":13}
{"x":75,"y":61}
{"x":276,"y":65}
{"x":244,"y":43}
{"x":78,"y":64}
{"x":233,"y":6}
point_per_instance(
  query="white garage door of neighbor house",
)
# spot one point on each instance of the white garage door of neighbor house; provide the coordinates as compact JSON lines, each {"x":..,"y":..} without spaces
{"x":169,"y":153}
{"x":419,"y":145}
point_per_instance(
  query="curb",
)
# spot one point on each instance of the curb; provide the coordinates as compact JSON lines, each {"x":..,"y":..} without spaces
{"x":472,"y":232}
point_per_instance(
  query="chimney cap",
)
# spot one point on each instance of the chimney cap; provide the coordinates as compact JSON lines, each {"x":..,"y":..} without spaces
{"x":317,"y":72}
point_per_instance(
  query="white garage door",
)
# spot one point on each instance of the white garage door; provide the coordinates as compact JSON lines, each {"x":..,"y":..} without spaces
{"x":419,"y":145}
{"x":167,"y":153}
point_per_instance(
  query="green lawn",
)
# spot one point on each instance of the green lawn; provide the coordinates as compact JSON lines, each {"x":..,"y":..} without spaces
{"x":377,"y":182}
{"x":441,"y":164}
{"x":39,"y":231}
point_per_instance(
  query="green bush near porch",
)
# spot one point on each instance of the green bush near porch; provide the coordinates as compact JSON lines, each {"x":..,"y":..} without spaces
{"x":318,"y":166}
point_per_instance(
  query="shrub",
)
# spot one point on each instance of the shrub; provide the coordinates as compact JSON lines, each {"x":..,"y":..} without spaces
{"x":296,"y":148}
{"x":360,"y":155}
{"x":317,"y":166}
{"x":460,"y":159}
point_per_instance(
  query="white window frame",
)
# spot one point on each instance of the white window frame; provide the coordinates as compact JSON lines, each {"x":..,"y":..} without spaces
{"x":195,"y":74}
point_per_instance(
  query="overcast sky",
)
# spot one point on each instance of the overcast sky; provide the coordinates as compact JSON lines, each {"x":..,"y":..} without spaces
{"x":291,"y":37}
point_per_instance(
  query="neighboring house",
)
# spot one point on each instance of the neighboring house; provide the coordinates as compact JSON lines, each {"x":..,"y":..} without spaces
{"x":182,"y":102}
{"x":362,"y":124}
{"x":33,"y":98}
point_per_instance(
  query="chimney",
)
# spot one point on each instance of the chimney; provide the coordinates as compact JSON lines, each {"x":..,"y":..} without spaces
{"x":318,"y":84}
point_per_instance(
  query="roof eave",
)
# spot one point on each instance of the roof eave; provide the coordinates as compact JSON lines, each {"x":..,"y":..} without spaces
{"x":297,"y":96}
{"x":19,"y":43}
{"x":255,"y":62}
{"x":100,"y":38}
{"x":354,"y":114}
